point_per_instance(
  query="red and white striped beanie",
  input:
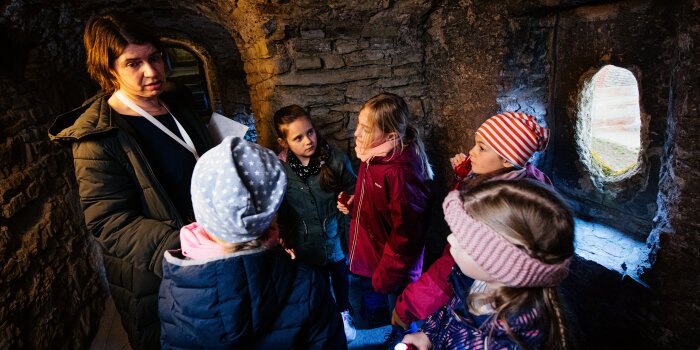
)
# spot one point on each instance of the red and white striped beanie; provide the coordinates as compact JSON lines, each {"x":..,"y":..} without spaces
{"x":514,"y":136}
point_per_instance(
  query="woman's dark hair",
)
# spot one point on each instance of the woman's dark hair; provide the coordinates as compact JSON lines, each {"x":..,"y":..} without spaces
{"x":330,"y":181}
{"x":105,"y":39}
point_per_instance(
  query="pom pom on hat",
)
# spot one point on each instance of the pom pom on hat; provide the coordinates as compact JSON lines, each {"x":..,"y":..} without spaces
{"x":514,"y":136}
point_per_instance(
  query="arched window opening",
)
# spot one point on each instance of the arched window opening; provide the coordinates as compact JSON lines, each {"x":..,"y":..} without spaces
{"x":185,"y":68}
{"x":615,"y":122}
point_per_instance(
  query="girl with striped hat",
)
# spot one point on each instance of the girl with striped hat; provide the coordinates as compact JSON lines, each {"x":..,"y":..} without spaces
{"x":503,"y":146}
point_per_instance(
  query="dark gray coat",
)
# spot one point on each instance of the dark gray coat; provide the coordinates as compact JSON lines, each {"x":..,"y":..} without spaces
{"x":125,"y":206}
{"x":309,"y":218}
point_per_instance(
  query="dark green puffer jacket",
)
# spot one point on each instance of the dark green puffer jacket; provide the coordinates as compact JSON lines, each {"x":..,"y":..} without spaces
{"x":125,"y":206}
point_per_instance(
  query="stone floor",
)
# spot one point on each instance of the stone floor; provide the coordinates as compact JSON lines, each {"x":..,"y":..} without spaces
{"x":111,"y":335}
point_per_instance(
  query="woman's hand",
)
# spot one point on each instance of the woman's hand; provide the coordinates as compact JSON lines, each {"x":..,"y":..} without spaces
{"x":419,"y":341}
{"x":345,"y":207}
{"x":457,"y":159}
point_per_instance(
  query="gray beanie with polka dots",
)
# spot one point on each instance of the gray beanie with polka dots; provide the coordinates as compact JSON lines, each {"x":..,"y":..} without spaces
{"x":237,"y":188}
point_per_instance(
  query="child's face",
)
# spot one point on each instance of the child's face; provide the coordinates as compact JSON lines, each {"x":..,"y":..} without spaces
{"x":367,"y":135}
{"x":301,"y":139}
{"x":484,"y":159}
{"x":465,"y":262}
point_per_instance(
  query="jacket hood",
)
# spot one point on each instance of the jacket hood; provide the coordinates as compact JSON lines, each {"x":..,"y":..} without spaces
{"x":225,"y":300}
{"x":92,"y":117}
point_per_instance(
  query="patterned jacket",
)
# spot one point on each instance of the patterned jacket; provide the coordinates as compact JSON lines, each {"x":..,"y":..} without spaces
{"x":454,"y":327}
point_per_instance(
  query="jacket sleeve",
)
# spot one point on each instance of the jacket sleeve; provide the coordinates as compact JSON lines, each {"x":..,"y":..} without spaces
{"x":404,"y":246}
{"x":433,"y":324}
{"x":429,"y":293}
{"x":325,"y":329}
{"x":111,"y":202}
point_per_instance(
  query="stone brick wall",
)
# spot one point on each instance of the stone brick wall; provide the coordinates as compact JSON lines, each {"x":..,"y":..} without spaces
{"x":330,"y":59}
{"x":51,"y":289}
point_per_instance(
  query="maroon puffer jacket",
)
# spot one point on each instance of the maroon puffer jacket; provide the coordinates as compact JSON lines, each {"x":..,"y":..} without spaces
{"x":390,"y":212}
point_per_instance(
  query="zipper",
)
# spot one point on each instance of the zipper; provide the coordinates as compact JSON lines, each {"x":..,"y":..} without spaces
{"x":357,"y":217}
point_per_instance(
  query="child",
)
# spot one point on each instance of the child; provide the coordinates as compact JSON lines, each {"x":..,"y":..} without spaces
{"x":390,"y":208}
{"x":231,"y":286}
{"x":503,"y":145}
{"x":512,"y":242}
{"x":309,"y":219}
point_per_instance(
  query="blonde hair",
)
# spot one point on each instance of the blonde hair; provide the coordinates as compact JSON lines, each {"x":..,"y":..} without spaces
{"x":266,"y":239}
{"x":537,"y":221}
{"x":390,"y":113}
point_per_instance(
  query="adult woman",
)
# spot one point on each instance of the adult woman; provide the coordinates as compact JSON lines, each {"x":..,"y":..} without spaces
{"x":134,"y":148}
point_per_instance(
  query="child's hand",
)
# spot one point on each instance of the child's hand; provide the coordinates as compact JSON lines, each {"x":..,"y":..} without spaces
{"x":343,"y":204}
{"x":457,"y":159}
{"x":419,"y":341}
{"x":289,"y":251}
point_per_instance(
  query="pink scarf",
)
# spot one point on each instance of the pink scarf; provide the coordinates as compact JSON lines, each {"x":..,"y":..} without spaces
{"x":377,"y":151}
{"x":196,"y":243}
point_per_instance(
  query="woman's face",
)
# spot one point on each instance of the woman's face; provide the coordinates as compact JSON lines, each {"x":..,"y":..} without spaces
{"x":140,"y":71}
{"x":367,"y":135}
{"x":484,"y":159}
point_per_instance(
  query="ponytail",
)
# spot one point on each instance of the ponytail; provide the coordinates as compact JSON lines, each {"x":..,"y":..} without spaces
{"x":330,"y":180}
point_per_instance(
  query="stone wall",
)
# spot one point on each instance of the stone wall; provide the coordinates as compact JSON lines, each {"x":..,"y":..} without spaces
{"x":481,"y":59}
{"x":675,"y":276}
{"x":51,"y":289}
{"x":330,"y":59}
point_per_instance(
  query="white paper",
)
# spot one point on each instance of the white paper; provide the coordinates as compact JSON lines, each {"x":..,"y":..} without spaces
{"x":220,"y":127}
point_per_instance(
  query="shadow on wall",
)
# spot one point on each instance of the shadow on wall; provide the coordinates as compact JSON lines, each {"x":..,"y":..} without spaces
{"x":608,"y":311}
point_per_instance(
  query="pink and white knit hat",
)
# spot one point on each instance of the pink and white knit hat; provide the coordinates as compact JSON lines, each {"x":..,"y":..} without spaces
{"x":500,"y":258}
{"x":514,"y":136}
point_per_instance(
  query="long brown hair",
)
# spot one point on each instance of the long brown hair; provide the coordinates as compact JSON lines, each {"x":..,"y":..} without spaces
{"x":105,"y":39}
{"x":540,"y":223}
{"x":390,"y":113}
{"x":329,"y":181}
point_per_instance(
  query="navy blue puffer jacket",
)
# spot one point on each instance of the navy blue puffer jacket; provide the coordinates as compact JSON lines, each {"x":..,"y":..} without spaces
{"x":255,"y":299}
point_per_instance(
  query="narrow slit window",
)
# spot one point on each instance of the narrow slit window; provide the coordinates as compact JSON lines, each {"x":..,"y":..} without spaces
{"x":615,"y":121}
